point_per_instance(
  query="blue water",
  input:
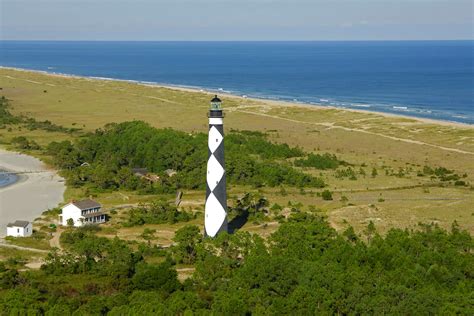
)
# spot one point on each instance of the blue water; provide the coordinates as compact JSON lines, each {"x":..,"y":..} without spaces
{"x":7,"y":179}
{"x":432,"y":79}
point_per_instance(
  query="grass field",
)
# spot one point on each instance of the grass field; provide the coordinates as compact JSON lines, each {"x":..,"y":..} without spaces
{"x":30,"y":242}
{"x":21,"y":259}
{"x":366,"y":140}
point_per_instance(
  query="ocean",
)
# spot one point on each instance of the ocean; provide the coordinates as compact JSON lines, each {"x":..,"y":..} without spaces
{"x":430,"y":79}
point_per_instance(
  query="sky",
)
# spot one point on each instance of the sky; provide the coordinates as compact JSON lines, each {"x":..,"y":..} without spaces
{"x":204,"y":20}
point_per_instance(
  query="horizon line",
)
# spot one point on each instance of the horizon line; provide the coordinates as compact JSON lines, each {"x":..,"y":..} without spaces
{"x":230,"y":41}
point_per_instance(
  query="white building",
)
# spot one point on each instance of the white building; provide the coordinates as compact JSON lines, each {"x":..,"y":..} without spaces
{"x":20,"y":229}
{"x":82,"y":212}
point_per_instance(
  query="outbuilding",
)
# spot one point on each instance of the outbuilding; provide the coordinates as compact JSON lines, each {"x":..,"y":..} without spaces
{"x":20,"y":229}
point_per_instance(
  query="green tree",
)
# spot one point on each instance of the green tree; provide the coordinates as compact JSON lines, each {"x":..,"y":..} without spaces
{"x":350,"y":234}
{"x":374,"y":172}
{"x":148,"y":234}
{"x":325,"y":161}
{"x":9,"y":279}
{"x":187,"y":240}
{"x":326,"y":195}
{"x":156,"y":277}
{"x":156,"y":212}
{"x":370,"y":231}
{"x":22,"y":142}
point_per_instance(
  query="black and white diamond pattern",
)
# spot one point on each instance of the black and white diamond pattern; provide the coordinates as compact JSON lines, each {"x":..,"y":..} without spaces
{"x":216,"y":197}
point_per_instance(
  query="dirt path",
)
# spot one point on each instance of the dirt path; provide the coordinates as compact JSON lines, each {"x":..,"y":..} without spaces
{"x":267,"y":224}
{"x":34,"y":265}
{"x":185,"y":273}
{"x":54,"y":242}
{"x":332,"y":126}
{"x":33,"y":262}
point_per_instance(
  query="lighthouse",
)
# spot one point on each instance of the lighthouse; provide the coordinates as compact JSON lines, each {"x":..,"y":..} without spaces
{"x":215,"y":217}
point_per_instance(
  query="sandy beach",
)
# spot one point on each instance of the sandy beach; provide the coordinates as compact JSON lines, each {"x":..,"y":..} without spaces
{"x":34,"y":193}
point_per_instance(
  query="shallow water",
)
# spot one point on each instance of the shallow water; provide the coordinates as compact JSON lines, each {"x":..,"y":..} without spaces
{"x":7,"y":178}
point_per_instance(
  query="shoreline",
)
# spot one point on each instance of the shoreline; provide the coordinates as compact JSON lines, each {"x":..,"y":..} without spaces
{"x":18,"y":177}
{"x":30,"y":195}
{"x":255,"y":99}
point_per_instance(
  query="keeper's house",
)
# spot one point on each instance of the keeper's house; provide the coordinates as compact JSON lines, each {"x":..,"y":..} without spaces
{"x":20,"y":229}
{"x":80,"y":213}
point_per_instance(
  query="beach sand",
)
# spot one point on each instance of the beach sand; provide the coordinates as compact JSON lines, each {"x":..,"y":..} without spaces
{"x":32,"y":194}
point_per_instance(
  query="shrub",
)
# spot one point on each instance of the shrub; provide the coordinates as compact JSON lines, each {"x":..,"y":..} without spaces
{"x":346,"y":173}
{"x":324,"y":161}
{"x":326,"y":195}
{"x":22,"y":142}
{"x":156,"y":277}
{"x":157,"y":212}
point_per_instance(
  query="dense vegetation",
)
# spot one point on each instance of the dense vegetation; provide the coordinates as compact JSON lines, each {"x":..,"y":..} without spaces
{"x":22,"y":142}
{"x":156,"y":212}
{"x":7,"y":118}
{"x":325,"y":161}
{"x":105,"y":159}
{"x":304,"y":268}
{"x":252,"y":142}
{"x":346,"y":173}
{"x":441,"y":173}
{"x":252,"y":207}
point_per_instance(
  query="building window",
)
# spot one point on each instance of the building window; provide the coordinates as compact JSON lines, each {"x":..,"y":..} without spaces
{"x":18,"y":230}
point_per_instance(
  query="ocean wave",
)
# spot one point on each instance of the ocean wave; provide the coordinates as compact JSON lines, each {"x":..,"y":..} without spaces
{"x":360,"y":105}
{"x":400,"y":108}
{"x":104,"y":78}
{"x":148,"y":82}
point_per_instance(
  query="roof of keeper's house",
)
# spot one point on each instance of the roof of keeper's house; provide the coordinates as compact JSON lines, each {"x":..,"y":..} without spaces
{"x":19,"y":224}
{"x":86,"y":204}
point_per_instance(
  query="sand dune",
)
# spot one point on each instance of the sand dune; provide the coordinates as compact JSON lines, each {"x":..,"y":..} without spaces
{"x":32,"y":194}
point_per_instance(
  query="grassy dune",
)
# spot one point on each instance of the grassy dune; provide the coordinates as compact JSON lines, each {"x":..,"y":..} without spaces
{"x":366,"y":140}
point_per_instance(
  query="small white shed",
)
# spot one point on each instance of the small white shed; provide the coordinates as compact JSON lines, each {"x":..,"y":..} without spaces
{"x":20,"y":229}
